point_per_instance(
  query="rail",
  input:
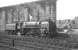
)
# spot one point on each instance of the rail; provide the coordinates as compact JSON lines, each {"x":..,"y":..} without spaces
{"x":34,"y":45}
{"x":19,"y":44}
{"x":10,"y":47}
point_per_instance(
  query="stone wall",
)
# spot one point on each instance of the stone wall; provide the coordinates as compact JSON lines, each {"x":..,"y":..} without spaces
{"x":41,"y":10}
{"x":2,"y":21}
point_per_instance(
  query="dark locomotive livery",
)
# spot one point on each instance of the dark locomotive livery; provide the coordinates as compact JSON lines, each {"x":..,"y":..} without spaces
{"x":33,"y":28}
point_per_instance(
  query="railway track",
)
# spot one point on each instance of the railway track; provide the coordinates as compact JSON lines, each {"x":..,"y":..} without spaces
{"x":37,"y":43}
{"x":27,"y":44}
{"x":5,"y":47}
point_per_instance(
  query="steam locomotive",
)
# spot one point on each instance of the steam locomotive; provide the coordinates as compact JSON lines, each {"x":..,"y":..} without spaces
{"x":32,"y":28}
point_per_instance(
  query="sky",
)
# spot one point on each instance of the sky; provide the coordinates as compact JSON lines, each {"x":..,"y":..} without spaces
{"x":66,"y":9}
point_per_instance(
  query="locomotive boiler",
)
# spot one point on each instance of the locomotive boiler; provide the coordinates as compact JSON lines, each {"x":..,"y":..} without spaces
{"x":35,"y":27}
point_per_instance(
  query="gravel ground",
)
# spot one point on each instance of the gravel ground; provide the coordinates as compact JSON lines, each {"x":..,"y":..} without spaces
{"x":73,"y":39}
